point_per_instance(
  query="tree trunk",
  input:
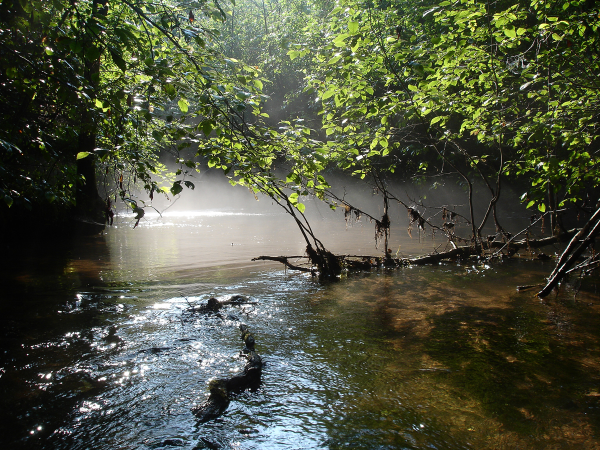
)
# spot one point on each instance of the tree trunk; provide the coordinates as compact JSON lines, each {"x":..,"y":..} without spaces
{"x":89,"y":205}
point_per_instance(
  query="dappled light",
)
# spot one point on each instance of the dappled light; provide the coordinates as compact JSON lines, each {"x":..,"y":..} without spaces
{"x":282,"y":224}
{"x":449,"y":356}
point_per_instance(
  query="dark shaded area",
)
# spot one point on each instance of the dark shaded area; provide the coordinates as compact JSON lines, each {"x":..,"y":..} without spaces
{"x":522,"y":370}
{"x":39,"y":381}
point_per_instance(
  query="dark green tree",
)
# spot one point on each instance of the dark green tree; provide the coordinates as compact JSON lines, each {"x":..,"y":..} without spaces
{"x":99,"y":88}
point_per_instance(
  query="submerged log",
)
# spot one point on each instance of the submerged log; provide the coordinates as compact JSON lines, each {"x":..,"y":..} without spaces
{"x":214,"y":305}
{"x":222,"y":390}
{"x":216,"y":404}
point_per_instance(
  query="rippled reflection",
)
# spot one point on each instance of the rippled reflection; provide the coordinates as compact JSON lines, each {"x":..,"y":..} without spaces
{"x":445,"y":357}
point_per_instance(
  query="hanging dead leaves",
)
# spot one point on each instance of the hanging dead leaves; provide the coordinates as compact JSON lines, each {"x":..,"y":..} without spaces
{"x":382,"y":228}
{"x":351,"y":214}
{"x":415,"y":217}
{"x":448,"y":215}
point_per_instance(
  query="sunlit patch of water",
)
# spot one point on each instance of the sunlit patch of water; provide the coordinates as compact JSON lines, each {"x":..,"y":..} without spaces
{"x":444,"y":357}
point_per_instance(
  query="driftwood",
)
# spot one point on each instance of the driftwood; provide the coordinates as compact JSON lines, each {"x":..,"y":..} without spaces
{"x":285,"y":261}
{"x":533,"y":243}
{"x":355,"y":262}
{"x":222,"y":390}
{"x":581,"y":242}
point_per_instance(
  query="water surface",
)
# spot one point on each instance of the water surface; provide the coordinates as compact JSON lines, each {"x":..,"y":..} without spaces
{"x":100,"y":350}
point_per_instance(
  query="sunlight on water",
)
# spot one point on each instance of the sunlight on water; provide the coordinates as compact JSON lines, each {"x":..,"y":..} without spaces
{"x":114,"y":348}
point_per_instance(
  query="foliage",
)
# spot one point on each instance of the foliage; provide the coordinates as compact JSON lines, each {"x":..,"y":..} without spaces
{"x":261,"y":33}
{"x":133,"y":76}
{"x":488,"y":91}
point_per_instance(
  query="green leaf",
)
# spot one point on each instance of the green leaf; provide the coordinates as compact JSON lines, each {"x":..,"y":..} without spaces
{"x":525,"y":85}
{"x":301,"y":207}
{"x":176,"y":188}
{"x":12,"y":72}
{"x":510,"y":32}
{"x":170,"y":90}
{"x":82,"y":155}
{"x":183,"y":105}
{"x":207,"y":127}
{"x":333,"y":60}
{"x":352,"y":27}
{"x":339,"y":40}
{"x":118,"y":60}
{"x":92,"y":53}
{"x":50,"y":196}
{"x":328,"y":93}
{"x":542,"y":208}
{"x":8,"y":200}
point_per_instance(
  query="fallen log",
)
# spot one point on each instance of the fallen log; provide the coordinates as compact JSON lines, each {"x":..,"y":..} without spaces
{"x":455,"y":253}
{"x":285,"y":261}
{"x":222,"y":390}
{"x":533,"y":243}
{"x":354,"y":262}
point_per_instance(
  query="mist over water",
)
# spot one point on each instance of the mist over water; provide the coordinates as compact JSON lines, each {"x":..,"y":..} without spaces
{"x":256,"y":225}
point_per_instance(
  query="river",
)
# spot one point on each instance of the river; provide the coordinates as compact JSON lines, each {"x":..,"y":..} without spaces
{"x":101,"y":350}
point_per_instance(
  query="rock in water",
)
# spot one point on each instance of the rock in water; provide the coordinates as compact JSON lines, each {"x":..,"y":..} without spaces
{"x":217,"y":402}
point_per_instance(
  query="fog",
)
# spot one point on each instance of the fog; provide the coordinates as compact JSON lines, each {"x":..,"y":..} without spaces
{"x":237,"y":206}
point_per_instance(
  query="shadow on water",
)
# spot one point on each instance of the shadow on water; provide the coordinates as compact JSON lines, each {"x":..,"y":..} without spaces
{"x":537,"y":376}
{"x":99,"y":350}
{"x":453,"y":358}
{"x":45,"y":328}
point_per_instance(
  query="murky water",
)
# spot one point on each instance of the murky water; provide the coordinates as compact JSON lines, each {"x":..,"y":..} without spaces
{"x":100,"y":350}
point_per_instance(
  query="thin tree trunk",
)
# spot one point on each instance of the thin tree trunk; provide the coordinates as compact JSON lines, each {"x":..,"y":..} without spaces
{"x":265,"y":17}
{"x":570,"y":255}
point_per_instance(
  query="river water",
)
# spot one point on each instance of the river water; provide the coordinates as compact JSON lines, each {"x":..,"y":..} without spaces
{"x":100,"y":350}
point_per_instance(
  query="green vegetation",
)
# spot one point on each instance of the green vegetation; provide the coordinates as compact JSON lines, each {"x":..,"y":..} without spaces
{"x":489,"y":92}
{"x":98,"y":88}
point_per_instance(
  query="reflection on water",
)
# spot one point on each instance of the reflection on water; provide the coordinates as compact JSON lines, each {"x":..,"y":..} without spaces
{"x":100,"y":349}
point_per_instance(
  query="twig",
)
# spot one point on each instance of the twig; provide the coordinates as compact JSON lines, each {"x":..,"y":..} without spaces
{"x":522,"y":231}
{"x":284,"y":260}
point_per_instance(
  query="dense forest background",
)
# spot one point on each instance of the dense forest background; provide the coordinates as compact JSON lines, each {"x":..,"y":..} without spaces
{"x":282,"y":96}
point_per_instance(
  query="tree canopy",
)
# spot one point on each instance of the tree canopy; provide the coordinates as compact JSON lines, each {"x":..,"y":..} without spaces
{"x":111,"y":84}
{"x":278,"y":94}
